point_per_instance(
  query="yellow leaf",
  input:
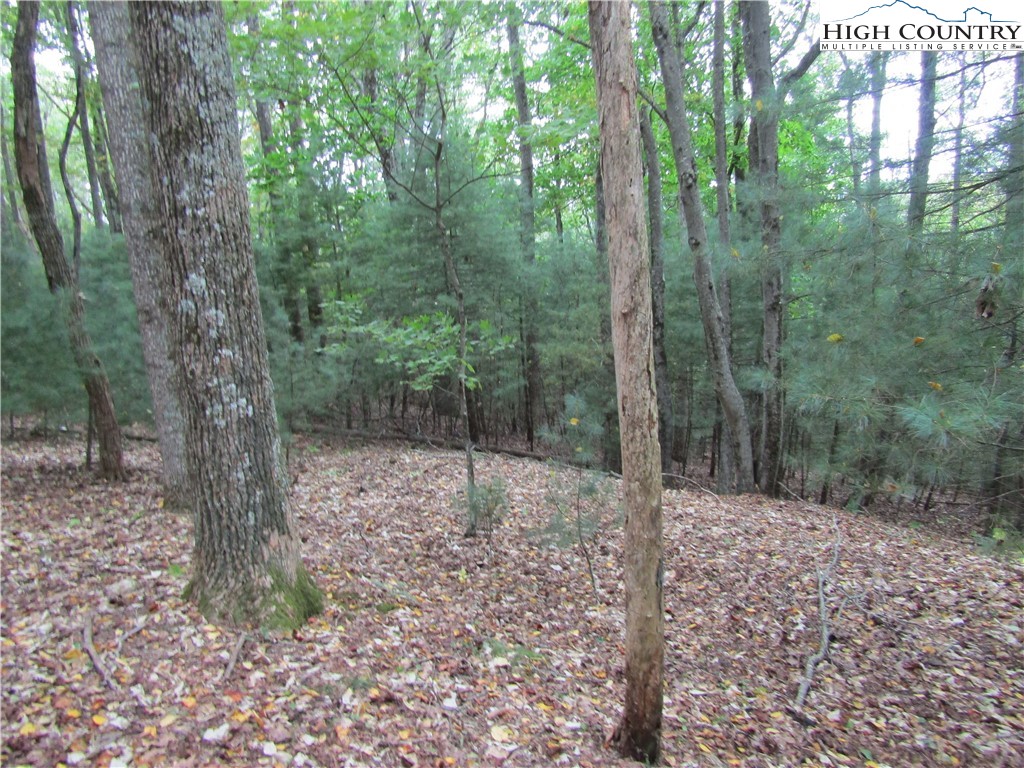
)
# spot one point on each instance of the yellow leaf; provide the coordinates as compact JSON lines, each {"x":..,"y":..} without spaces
{"x":574,"y":421}
{"x":73,"y":712}
{"x":149,"y":730}
{"x":704,"y":747}
{"x":777,"y":715}
{"x":758,"y":105}
{"x":405,"y":733}
{"x":544,"y":707}
{"x":167,"y":720}
{"x":74,"y":653}
{"x":240,"y":717}
{"x":935,"y":385}
{"x":918,"y":340}
{"x":188,"y":702}
{"x":160,"y":503}
{"x":996,"y":267}
{"x":99,"y":719}
{"x":735,"y":253}
{"x":835,"y":338}
{"x":27,"y":729}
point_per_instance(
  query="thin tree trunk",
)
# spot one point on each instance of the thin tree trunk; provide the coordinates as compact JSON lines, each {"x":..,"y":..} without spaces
{"x":81,"y":79}
{"x":117,"y":63}
{"x":37,"y":192}
{"x":726,"y":475}
{"x":922,"y":157}
{"x":692,"y":214}
{"x":638,"y":735}
{"x":110,"y":193}
{"x":764,"y":160}
{"x":527,"y":227}
{"x":246,"y":566}
{"x":666,"y":416}
{"x":13,"y":209}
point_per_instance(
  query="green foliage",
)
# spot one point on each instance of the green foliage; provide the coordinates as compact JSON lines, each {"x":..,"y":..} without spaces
{"x":38,"y":373}
{"x":486,"y":504}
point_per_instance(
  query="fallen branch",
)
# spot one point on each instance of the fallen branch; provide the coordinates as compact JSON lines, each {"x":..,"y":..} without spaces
{"x":93,"y":655}
{"x":824,"y":576}
{"x":234,"y":656}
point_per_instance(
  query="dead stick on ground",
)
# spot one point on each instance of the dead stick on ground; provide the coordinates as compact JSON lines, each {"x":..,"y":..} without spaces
{"x":824,"y":576}
{"x":234,"y":656}
{"x":93,"y":655}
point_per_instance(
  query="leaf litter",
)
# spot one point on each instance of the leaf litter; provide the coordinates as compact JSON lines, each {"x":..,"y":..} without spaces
{"x":436,"y":650}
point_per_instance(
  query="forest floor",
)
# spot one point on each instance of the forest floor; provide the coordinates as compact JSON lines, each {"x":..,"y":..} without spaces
{"x":436,"y":650}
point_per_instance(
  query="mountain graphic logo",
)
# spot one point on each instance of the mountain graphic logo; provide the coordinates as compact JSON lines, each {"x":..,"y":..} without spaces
{"x":910,"y":7}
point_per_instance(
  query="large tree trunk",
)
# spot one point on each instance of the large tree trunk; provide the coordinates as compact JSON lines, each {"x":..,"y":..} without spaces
{"x":764,"y":160}
{"x":527,"y":227}
{"x":666,"y":416}
{"x":117,"y":62}
{"x":37,"y":192}
{"x":692,"y":214}
{"x":246,"y":566}
{"x":638,"y":735}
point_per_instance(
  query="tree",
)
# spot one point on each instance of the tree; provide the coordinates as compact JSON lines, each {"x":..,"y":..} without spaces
{"x":692,"y":214}
{"x":639,"y":731}
{"x":37,"y":193}
{"x":246,"y":565}
{"x":118,"y":65}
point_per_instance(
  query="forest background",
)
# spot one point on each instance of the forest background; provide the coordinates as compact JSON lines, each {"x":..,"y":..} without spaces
{"x":391,"y":145}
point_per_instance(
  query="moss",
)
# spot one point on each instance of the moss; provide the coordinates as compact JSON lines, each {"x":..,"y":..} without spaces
{"x":289,"y":604}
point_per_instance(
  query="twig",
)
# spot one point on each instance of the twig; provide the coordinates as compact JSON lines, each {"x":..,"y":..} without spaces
{"x":824,"y":576}
{"x":234,"y":656}
{"x":692,"y":482}
{"x":93,"y":655}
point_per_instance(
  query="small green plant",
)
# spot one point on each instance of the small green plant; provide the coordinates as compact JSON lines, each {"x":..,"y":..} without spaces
{"x":487,"y":503}
{"x":577,"y":507}
{"x":1004,"y":542}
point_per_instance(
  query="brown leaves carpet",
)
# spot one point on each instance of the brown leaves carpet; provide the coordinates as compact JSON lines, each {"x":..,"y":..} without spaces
{"x":435,"y":650}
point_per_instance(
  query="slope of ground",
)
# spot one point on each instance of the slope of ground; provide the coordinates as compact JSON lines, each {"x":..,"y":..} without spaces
{"x":435,"y":650}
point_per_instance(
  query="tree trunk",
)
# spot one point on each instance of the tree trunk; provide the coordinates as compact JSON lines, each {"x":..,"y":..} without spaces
{"x":666,"y":415}
{"x":246,"y":566}
{"x":922,"y":157}
{"x":726,"y":475}
{"x":37,"y":192}
{"x":81,"y":78}
{"x":764,"y":160}
{"x":110,"y":194}
{"x":638,"y":735}
{"x":117,"y":63}
{"x":692,"y":214}
{"x":527,"y":227}
{"x":12,"y":210}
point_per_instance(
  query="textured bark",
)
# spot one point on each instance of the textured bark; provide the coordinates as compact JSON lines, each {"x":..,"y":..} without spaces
{"x":764,"y":161}
{"x":37,"y":193}
{"x":246,"y":567}
{"x":527,"y":227}
{"x":692,"y":214}
{"x":117,"y":64}
{"x":666,"y":415}
{"x":638,"y":733}
{"x":11,"y":207}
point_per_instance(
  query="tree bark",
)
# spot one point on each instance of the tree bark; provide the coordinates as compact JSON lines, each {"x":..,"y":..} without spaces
{"x":118,"y":68}
{"x":12,"y":209}
{"x":666,"y":415}
{"x":527,"y":228}
{"x":638,"y":735}
{"x":692,"y":215}
{"x":37,"y":193}
{"x":764,"y":160}
{"x":110,"y":194}
{"x":246,"y":566}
